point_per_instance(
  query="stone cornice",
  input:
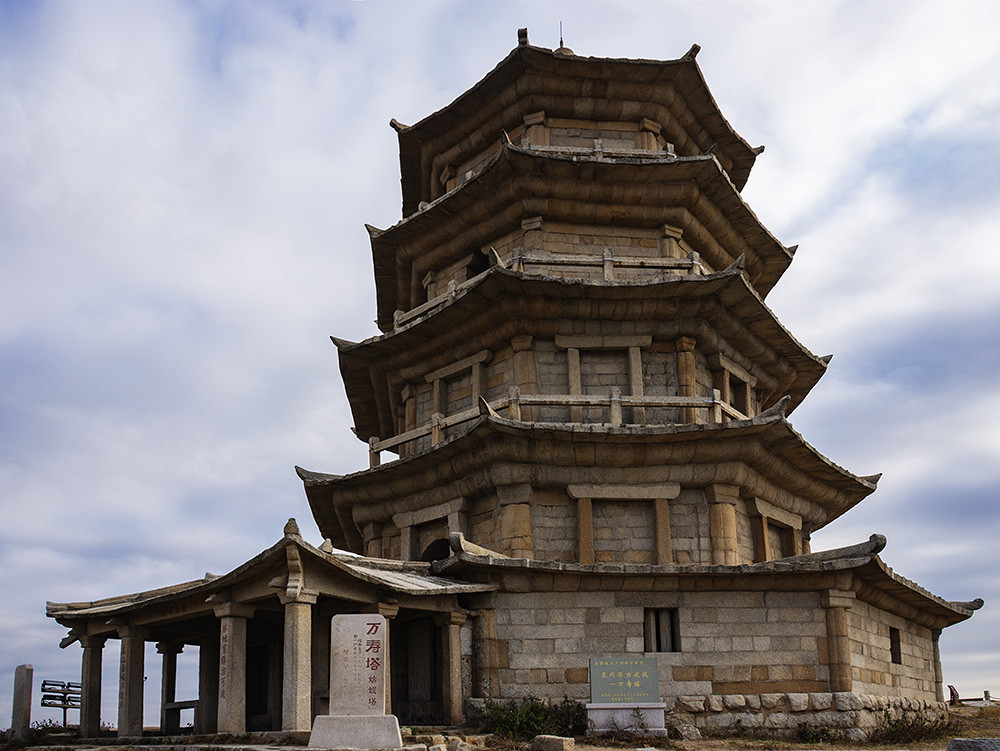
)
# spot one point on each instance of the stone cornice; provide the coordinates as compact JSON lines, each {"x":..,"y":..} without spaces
{"x":764,"y":456}
{"x":719,"y":310}
{"x":516,"y":183}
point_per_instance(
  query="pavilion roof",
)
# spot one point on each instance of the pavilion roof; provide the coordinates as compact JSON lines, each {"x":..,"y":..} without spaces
{"x":532,"y":79}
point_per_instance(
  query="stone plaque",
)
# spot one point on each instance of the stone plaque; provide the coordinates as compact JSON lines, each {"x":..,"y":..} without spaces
{"x":357,"y":664}
{"x":624,"y":680}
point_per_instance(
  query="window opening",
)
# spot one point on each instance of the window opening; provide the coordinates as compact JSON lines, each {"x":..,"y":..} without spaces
{"x":661,"y":631}
{"x":895,"y":650}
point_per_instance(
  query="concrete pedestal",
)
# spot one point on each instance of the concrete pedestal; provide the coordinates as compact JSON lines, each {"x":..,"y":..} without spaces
{"x":635,"y":718}
{"x":356,"y":731}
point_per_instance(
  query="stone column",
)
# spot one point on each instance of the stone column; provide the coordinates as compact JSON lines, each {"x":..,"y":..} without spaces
{"x":661,"y":529}
{"x":837,"y":603}
{"x":525,"y":373}
{"x":938,"y":676}
{"x":575,"y":382}
{"x":722,"y":500}
{"x":687,"y":375}
{"x":90,"y":680}
{"x":206,"y":715}
{"x":170,"y":719}
{"x":535,"y":132}
{"x":515,"y":520}
{"x":130,"y":679}
{"x":585,"y":529}
{"x":233,"y":666}
{"x":24,"y":678}
{"x":761,"y":538}
{"x":296,"y":687}
{"x":451,"y":671}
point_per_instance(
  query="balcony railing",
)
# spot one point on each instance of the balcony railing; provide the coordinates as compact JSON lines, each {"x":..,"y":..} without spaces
{"x":524,"y":261}
{"x":515,"y":401}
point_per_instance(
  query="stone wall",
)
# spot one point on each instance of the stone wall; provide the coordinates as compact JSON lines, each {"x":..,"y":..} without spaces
{"x":871,"y":659}
{"x":849,"y":715}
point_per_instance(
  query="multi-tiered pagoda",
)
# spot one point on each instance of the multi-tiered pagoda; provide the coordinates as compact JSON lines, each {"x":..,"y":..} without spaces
{"x":584,"y":399}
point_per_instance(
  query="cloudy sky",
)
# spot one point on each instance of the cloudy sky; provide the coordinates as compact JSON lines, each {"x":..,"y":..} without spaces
{"x":183,"y":188}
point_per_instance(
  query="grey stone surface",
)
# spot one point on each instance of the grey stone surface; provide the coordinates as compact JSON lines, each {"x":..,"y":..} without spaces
{"x":356,"y":731}
{"x":688,"y":732}
{"x":798,"y":702}
{"x":974,"y":744}
{"x":21,"y":715}
{"x":552,"y":743}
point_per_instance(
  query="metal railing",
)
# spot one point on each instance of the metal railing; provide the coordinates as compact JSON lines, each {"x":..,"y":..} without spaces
{"x":515,"y":402}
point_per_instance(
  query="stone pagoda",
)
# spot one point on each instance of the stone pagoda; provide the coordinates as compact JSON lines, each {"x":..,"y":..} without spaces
{"x":577,"y":418}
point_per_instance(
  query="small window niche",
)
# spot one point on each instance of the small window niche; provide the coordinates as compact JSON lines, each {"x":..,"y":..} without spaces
{"x":895,"y":650}
{"x":661,"y":631}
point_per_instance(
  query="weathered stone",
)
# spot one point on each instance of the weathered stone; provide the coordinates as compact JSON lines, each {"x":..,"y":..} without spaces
{"x":734,"y":701}
{"x":715,"y":703}
{"x":798,"y":702}
{"x":846,"y":701}
{"x":552,"y":743}
{"x":770,"y":701}
{"x":821,"y":701}
{"x":692,"y":703}
{"x":688,"y":732}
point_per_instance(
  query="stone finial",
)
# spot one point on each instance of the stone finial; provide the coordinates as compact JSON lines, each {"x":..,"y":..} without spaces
{"x":291,"y":528}
{"x":327,"y":546}
{"x":522,"y":37}
{"x":692,"y":53}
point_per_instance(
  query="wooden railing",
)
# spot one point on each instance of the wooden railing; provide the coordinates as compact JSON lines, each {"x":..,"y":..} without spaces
{"x":614,"y":402}
{"x":608,"y":261}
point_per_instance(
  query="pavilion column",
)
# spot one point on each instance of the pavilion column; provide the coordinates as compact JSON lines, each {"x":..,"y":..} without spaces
{"x":585,"y":530}
{"x":296,"y":688}
{"x":687,"y":375}
{"x":722,"y":500}
{"x":388,"y":612}
{"x":938,"y":676}
{"x":130,"y":679}
{"x":206,"y":715}
{"x":232,"y":666}
{"x":525,"y":372}
{"x":90,"y":680}
{"x":451,"y":650}
{"x":837,"y":603}
{"x":661,"y":527}
{"x":170,"y":719}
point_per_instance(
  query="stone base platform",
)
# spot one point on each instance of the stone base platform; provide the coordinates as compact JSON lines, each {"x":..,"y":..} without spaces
{"x":356,"y":731}
{"x":644,"y":718}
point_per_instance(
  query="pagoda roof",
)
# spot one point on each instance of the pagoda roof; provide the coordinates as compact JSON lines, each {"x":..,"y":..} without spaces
{"x":692,"y":193}
{"x":532,"y":79}
{"x":710,"y":307}
{"x":764,"y":454}
{"x":404,"y":578}
{"x":873,"y":581}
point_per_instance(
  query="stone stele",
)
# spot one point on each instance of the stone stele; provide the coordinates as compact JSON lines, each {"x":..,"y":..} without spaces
{"x":357,"y":719}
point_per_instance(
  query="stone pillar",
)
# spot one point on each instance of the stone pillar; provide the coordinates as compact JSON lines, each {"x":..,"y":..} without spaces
{"x":90,"y":681}
{"x":296,"y":687}
{"x":170,"y":719}
{"x":489,"y":656}
{"x":130,"y":679}
{"x":722,"y":500}
{"x":24,"y":676}
{"x":938,"y":676}
{"x":647,"y":136}
{"x":535,"y":132}
{"x":451,"y":670}
{"x":661,"y":529}
{"x":525,"y":373}
{"x":232,"y":666}
{"x":575,"y":382}
{"x":635,"y":382}
{"x":837,"y":603}
{"x":585,"y":530}
{"x":515,"y":520}
{"x":761,"y":539}
{"x":206,"y":715}
{"x":687,"y":375}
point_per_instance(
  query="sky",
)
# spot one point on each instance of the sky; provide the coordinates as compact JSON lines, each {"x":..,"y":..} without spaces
{"x":183,"y":192}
